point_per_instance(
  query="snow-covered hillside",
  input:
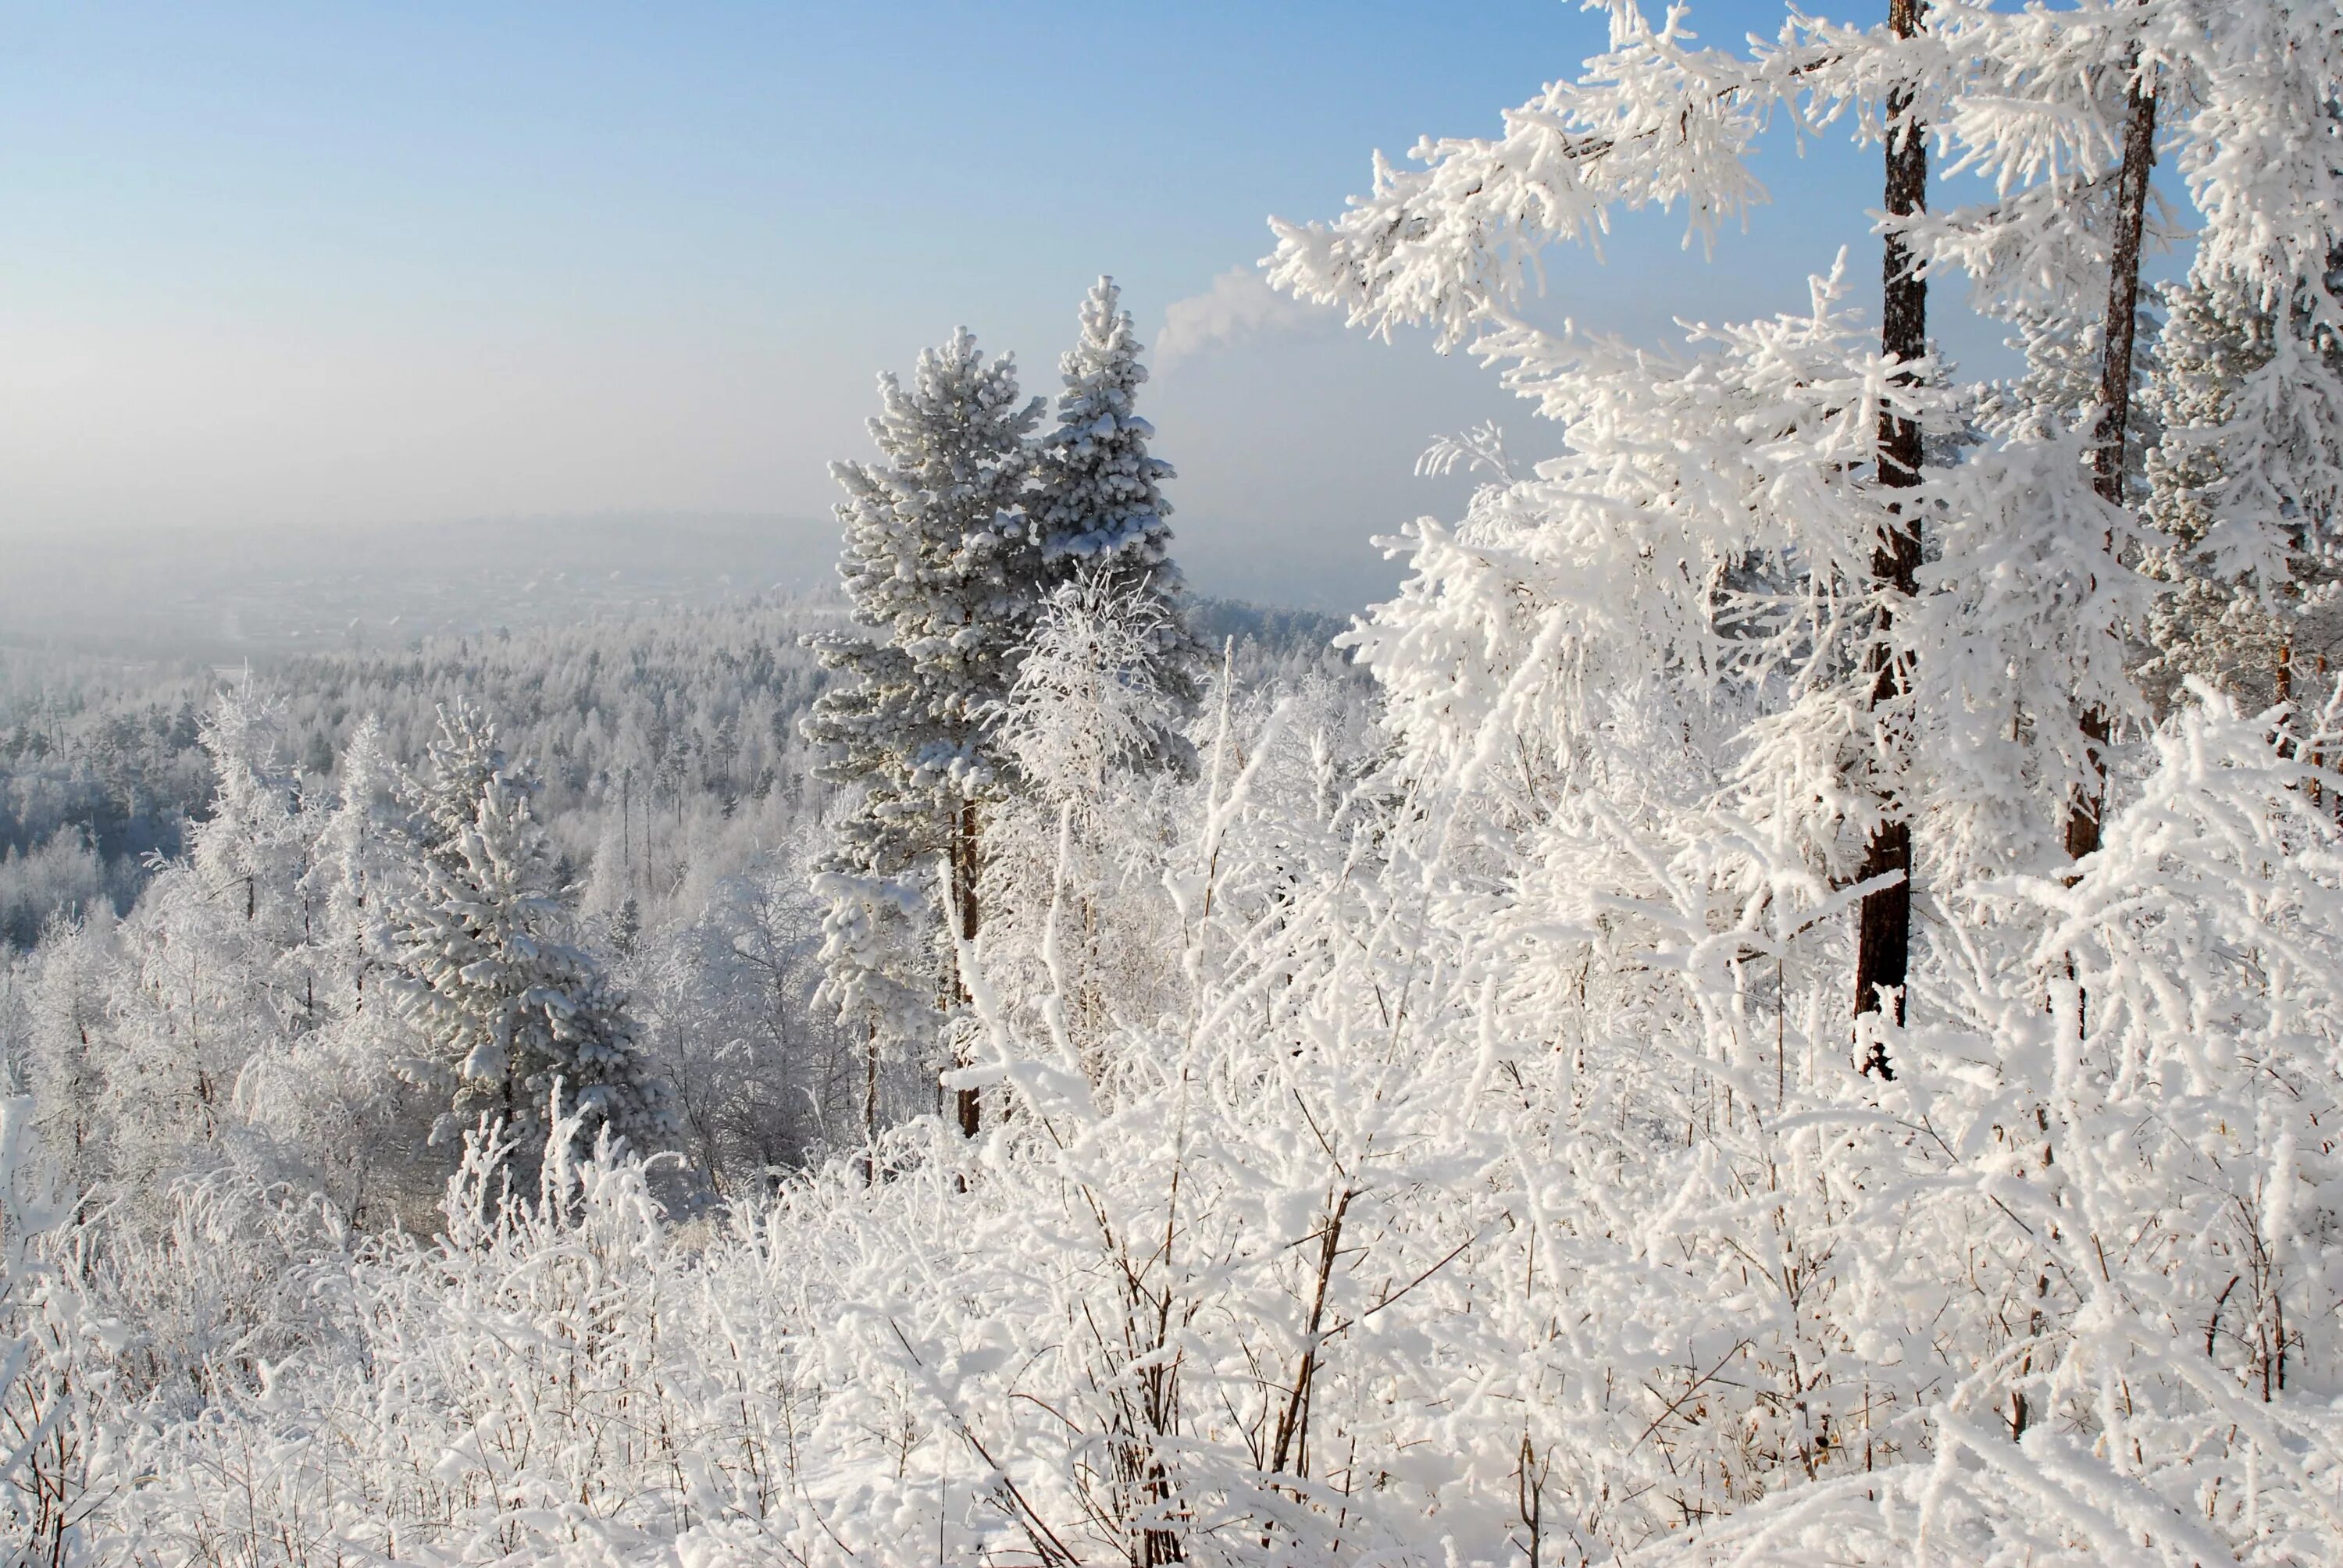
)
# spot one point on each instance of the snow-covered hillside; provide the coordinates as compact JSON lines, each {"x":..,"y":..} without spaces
{"x":1787,"y":1008}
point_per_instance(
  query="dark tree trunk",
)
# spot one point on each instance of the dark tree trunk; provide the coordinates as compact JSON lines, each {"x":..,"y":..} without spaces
{"x":870,"y":1105}
{"x":2115,"y":398}
{"x":964,"y":868}
{"x":1882,"y":947}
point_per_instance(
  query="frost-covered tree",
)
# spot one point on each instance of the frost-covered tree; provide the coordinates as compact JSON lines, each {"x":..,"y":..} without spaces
{"x":60,"y":876}
{"x":945,"y":577}
{"x":1451,"y":1149}
{"x":2067,"y":110}
{"x":54,"y":1474}
{"x":493,"y":980}
{"x":2041,"y":103}
{"x":251,"y":856}
{"x":1097,"y":498}
{"x":2012,"y":644}
{"x":344,"y":1094}
{"x":1085,"y":726}
{"x":355,"y":871}
{"x":67,"y":1010}
{"x":1089,"y":700}
{"x":201,"y":1032}
{"x":2245,"y":485}
{"x":208,"y":989}
{"x":761,"y":1078}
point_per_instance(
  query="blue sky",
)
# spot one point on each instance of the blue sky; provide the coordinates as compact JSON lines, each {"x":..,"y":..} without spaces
{"x":333,"y":265}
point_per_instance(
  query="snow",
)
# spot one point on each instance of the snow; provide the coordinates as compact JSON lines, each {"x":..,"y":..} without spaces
{"x":1407,"y":1114}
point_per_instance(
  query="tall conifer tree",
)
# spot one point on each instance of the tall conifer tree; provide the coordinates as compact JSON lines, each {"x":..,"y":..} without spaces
{"x":946,"y":580}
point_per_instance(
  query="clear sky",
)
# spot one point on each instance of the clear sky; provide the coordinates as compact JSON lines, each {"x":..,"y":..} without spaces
{"x":332,"y":266}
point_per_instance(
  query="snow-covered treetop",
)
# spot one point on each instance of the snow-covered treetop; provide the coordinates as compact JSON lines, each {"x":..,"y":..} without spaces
{"x":932,"y":528}
{"x":460,"y":764}
{"x":1098,"y":491}
{"x":938,"y":562}
{"x":2032,"y":101}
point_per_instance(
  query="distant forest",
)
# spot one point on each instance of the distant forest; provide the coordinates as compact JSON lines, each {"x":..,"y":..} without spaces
{"x":667,"y":742}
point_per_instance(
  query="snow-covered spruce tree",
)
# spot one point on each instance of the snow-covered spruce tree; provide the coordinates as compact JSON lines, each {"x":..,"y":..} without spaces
{"x":489,"y":978}
{"x":946,"y":580}
{"x":1098,"y":500}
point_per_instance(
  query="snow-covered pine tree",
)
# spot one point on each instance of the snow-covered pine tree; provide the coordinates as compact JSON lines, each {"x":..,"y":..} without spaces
{"x":946,"y":580}
{"x":505,"y":1001}
{"x":1098,"y":497}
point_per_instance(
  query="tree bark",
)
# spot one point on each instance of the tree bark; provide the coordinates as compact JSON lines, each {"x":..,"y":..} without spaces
{"x":1882,"y":947}
{"x":2115,"y":398}
{"x":870,"y":1105}
{"x":964,"y":868}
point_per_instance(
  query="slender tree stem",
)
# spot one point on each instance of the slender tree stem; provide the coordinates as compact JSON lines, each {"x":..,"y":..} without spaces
{"x":1883,"y":928}
{"x":2115,"y":398}
{"x":965,"y":861}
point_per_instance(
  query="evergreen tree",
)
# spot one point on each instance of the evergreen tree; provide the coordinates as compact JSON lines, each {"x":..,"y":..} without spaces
{"x":1098,"y":495}
{"x":946,"y":581}
{"x":505,"y":1003}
